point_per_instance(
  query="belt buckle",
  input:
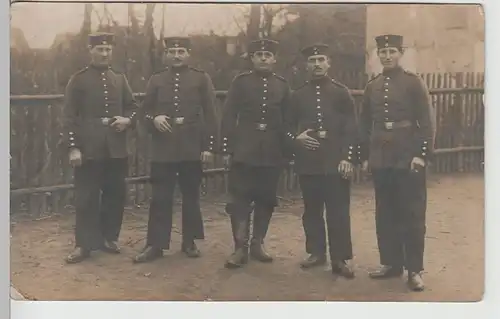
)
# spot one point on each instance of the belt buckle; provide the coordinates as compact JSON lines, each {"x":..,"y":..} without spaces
{"x":179,"y":120}
{"x":322,"y":134}
{"x":389,"y":125}
{"x":261,"y":126}
{"x":105,"y":120}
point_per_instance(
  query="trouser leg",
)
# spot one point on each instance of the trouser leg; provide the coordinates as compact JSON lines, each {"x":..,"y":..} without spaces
{"x":312,"y":218}
{"x":163,"y":181}
{"x":240,"y":210}
{"x":388,"y":219}
{"x":264,"y":195}
{"x":190,"y":175}
{"x":338,"y":197}
{"x":88,"y":234}
{"x":412,"y":207}
{"x":113,"y":197}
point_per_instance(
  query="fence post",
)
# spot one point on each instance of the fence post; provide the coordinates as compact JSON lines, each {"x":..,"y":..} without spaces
{"x":460,"y":121}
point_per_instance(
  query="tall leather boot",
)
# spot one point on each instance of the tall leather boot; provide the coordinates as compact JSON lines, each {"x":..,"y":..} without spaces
{"x":261,"y":220}
{"x":241,"y":233}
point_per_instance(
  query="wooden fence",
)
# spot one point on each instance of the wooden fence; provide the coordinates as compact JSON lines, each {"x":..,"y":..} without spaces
{"x":41,"y":178}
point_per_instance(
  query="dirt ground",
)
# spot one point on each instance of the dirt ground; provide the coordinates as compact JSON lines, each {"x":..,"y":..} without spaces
{"x":454,"y":257}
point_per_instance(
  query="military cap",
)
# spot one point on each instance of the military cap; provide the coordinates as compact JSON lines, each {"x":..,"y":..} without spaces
{"x":99,"y":38}
{"x":315,"y":49}
{"x":263,"y":45}
{"x":177,"y":42}
{"x":389,"y":40}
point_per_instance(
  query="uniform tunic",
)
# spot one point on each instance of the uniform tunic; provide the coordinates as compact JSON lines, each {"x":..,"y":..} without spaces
{"x":323,"y":105}
{"x":94,"y":94}
{"x":398,"y":125}
{"x":252,"y":125}
{"x":187,"y":96}
{"x":395,"y":98}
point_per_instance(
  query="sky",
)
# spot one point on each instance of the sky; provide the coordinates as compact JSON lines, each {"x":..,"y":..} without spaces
{"x":41,"y":22}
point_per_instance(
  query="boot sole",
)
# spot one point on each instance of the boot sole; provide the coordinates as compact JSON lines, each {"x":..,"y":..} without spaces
{"x":262,"y":260}
{"x":76,"y":260}
{"x":376,"y":277}
{"x":110,"y":251}
{"x":147,"y":260}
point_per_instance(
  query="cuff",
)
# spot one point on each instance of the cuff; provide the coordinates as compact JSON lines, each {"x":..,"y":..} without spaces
{"x":72,"y":140}
{"x":225,"y":145}
{"x":350,"y":155}
{"x":424,"y":151}
{"x":149,"y":117}
{"x":211,"y":144}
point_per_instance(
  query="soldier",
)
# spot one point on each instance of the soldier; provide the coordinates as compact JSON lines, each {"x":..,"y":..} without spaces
{"x":398,"y":138}
{"x":180,"y":113}
{"x":99,"y":108}
{"x":253,"y":135}
{"x":322,"y":112}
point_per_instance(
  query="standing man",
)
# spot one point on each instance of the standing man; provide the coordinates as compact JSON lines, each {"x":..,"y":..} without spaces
{"x":99,"y":108}
{"x":179,"y":110}
{"x":398,"y":138}
{"x":253,"y":136}
{"x":323,"y":114}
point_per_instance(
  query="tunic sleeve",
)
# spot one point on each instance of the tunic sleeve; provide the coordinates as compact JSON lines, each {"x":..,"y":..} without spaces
{"x":71,"y":112}
{"x":424,"y":147}
{"x":208,"y":104}
{"x":229,"y":117}
{"x":366,"y":126}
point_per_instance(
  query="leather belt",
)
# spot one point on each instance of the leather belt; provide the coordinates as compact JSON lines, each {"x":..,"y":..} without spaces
{"x":389,"y":126}
{"x":107,"y":120}
{"x":322,"y":134}
{"x":179,"y":120}
{"x":261,"y":126}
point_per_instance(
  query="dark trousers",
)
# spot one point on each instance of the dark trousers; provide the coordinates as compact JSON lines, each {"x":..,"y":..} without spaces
{"x":100,"y":198}
{"x":401,"y":200}
{"x":333,"y":192}
{"x":253,"y":185}
{"x":164,"y":177}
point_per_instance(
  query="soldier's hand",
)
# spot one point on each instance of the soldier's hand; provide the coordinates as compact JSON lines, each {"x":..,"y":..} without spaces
{"x":75,"y":157}
{"x":307,"y":141}
{"x":206,"y":157}
{"x":227,"y":160}
{"x":120,"y":123}
{"x":161,"y":123}
{"x":416,"y":164}
{"x":345,"y":169}
{"x":364,"y":166}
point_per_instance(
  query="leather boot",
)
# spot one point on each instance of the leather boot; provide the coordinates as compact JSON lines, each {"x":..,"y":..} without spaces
{"x":313,"y":260}
{"x":342,"y":268}
{"x":78,"y":255}
{"x":386,"y":272}
{"x":241,"y":234}
{"x":149,"y":253}
{"x":190,"y":249}
{"x":111,"y":247}
{"x":415,"y":281}
{"x":261,"y":220}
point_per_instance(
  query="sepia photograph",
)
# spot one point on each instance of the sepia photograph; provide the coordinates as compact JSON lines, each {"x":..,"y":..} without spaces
{"x":164,"y":151}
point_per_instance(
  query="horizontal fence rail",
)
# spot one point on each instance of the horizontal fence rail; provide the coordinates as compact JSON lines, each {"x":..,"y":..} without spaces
{"x":41,"y":177}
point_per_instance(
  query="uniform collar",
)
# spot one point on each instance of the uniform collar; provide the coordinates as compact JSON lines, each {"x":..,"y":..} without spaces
{"x":320,"y":80}
{"x":263,"y":73}
{"x":181,"y":68}
{"x":393,"y":71}
{"x":99,"y":67}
